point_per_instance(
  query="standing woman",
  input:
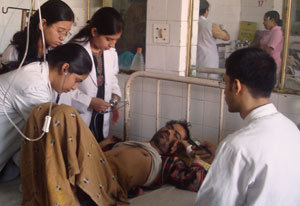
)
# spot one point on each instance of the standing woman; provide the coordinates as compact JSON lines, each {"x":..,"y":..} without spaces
{"x":272,"y":41}
{"x":57,"y":20}
{"x":66,"y":67}
{"x":99,"y":38}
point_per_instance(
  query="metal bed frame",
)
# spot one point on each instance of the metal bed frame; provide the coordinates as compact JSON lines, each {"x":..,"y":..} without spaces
{"x":161,"y":76}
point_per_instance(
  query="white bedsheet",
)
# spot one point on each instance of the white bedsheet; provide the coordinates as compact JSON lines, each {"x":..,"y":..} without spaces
{"x":165,"y":196}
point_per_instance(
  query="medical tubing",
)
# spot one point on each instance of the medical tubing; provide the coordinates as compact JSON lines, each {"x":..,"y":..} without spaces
{"x":47,"y":118}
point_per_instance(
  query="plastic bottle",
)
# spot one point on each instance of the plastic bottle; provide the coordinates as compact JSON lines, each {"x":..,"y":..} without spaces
{"x":138,"y":61}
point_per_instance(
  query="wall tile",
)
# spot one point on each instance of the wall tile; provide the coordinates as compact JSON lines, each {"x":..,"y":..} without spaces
{"x":289,"y":104}
{"x":178,"y":28}
{"x":156,"y":10}
{"x":156,"y":57}
{"x":149,"y":85}
{"x":149,"y":104}
{"x":148,"y":127}
{"x":173,"y":57}
{"x":196,"y":131}
{"x":211,"y":114}
{"x":175,"y":10}
{"x":197,"y":111}
{"x":197,"y":92}
{"x":136,"y":122}
{"x":136,"y":102}
{"x":210,"y":134}
{"x":171,"y":88}
{"x":171,"y":107}
{"x":212,"y":94}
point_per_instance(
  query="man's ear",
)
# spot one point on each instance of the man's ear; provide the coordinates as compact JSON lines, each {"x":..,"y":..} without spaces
{"x":237,"y":86}
{"x":65,"y":68}
{"x":44,"y":21}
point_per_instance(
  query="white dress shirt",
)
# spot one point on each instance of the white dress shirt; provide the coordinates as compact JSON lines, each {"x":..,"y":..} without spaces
{"x":256,"y":165}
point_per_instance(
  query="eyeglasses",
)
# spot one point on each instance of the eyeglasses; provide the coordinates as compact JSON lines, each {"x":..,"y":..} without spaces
{"x":63,"y":34}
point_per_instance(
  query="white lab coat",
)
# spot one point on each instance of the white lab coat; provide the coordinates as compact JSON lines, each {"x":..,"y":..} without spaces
{"x":31,"y":87}
{"x":207,"y":52}
{"x":257,"y":165}
{"x":82,"y":96}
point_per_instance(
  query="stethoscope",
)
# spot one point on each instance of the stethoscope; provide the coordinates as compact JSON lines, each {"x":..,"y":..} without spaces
{"x":62,"y":87}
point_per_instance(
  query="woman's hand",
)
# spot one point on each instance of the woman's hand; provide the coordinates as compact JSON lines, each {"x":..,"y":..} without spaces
{"x":116,"y":115}
{"x":99,"y":105}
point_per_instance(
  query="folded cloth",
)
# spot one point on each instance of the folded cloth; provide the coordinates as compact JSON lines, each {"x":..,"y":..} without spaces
{"x":65,"y":161}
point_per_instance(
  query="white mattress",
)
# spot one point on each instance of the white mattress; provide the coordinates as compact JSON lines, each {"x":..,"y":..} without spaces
{"x":165,"y":196}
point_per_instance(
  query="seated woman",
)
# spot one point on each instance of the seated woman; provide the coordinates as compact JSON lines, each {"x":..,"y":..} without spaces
{"x":65,"y":68}
{"x":68,"y":166}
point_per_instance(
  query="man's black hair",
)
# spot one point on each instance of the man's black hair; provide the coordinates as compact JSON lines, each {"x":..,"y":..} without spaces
{"x":204,"y":5}
{"x":253,"y":67}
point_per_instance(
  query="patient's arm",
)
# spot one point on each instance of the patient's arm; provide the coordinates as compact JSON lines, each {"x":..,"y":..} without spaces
{"x":176,"y":172}
{"x":109,"y":142}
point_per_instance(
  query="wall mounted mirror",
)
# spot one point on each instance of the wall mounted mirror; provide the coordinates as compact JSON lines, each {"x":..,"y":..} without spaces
{"x":244,"y":22}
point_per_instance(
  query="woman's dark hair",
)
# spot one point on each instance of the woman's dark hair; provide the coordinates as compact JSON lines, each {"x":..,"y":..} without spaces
{"x":53,"y":11}
{"x":274,"y":15}
{"x":253,"y":67}
{"x":75,"y":55}
{"x":106,"y":20}
{"x":204,"y":5}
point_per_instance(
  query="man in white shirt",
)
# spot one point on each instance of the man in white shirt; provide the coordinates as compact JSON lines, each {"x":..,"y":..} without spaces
{"x":258,"y":164}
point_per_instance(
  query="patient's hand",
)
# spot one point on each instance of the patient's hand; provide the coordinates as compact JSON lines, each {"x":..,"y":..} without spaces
{"x":204,"y":155}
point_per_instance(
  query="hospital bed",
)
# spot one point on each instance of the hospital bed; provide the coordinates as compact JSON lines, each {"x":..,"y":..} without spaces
{"x":168,"y":194}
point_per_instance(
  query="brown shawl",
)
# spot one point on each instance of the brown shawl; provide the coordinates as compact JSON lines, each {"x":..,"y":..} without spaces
{"x":64,"y":160}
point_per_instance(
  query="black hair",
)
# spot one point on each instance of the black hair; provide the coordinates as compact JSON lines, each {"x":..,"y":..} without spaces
{"x":53,"y":11}
{"x":75,"y":55}
{"x":204,"y":5}
{"x":274,"y":15}
{"x":183,"y":123}
{"x":253,"y":67}
{"x":106,"y":20}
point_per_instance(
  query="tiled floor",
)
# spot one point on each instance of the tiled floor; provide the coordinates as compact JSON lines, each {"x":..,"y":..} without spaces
{"x":10,"y":194}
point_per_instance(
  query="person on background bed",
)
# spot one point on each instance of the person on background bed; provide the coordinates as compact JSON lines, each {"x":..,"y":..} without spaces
{"x":71,"y":167}
{"x":99,"y":38}
{"x":65,"y":68}
{"x":258,"y":164}
{"x":57,"y":20}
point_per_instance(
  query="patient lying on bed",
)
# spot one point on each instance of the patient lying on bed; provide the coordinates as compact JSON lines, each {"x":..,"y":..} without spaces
{"x":67,"y":166}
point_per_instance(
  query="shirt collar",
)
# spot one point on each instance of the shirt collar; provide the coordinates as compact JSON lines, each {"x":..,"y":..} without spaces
{"x":276,"y":27}
{"x":262,"y":111}
{"x":203,"y":17}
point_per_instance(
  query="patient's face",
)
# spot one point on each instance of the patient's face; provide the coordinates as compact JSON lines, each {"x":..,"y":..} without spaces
{"x":168,"y":137}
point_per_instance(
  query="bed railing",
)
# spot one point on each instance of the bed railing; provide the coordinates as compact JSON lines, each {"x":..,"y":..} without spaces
{"x":161,"y":76}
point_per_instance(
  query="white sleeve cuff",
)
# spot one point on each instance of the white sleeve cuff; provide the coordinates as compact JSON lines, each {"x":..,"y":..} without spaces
{"x":189,"y":150}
